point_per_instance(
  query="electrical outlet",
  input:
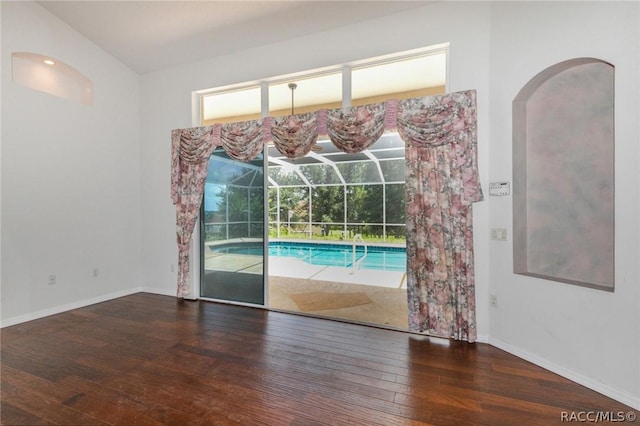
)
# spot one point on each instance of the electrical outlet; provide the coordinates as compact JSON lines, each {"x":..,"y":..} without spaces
{"x":52,"y":279}
{"x":493,"y":300}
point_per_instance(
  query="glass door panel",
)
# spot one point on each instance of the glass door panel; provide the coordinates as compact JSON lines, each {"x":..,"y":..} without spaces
{"x":232,"y":219}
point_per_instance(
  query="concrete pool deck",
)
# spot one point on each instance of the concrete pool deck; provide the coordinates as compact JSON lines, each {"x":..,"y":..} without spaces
{"x":383,"y":306}
{"x":296,"y":268}
{"x":382,"y":295}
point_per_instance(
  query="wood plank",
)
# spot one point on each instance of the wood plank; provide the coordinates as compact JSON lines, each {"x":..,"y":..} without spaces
{"x":152,"y":360}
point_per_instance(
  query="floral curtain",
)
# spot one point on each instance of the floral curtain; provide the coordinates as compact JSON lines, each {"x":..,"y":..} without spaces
{"x":441,"y":179}
{"x":242,"y":141}
{"x":357,"y":128}
{"x":293,"y":136}
{"x":190,"y":152}
{"x":191,"y":149}
{"x":441,"y":185}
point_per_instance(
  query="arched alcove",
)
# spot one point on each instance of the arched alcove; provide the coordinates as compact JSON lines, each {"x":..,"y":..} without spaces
{"x":563,"y":174}
{"x":52,"y":76}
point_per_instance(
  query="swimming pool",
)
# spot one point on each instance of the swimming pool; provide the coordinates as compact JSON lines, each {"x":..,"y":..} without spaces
{"x":378,"y":257}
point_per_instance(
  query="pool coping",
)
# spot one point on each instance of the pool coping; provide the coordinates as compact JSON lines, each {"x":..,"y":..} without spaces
{"x":299,"y":241}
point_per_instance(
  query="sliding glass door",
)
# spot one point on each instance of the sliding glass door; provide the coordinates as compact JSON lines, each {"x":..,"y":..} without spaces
{"x":232,"y":233}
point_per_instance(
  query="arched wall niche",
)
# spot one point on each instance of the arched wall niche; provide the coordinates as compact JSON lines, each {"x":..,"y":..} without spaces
{"x":563,"y":174}
{"x":50,"y":75}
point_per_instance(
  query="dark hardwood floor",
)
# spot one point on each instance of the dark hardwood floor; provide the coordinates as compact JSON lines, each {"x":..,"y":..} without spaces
{"x":153,"y":360}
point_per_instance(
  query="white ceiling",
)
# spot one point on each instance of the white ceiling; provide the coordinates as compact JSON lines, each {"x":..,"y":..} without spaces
{"x":152,"y":35}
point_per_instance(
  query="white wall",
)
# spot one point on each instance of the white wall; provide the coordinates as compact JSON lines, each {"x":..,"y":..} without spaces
{"x":70,"y":175}
{"x":167,"y":105}
{"x":592,"y":336}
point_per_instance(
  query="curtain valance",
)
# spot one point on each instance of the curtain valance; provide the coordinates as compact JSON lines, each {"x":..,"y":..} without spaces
{"x":446,"y":120}
{"x":352,"y":129}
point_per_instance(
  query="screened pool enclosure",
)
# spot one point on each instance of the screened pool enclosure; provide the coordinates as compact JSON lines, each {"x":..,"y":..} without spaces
{"x":326,"y":195}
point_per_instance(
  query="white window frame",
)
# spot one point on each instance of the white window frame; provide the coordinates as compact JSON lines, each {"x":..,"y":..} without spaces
{"x":346,"y":69}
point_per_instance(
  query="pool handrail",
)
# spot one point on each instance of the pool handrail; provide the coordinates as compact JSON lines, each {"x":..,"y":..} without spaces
{"x":356,"y":263}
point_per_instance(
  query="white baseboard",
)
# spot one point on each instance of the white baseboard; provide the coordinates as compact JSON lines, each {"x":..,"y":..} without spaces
{"x":482,"y":338}
{"x":81,"y":304}
{"x":163,"y":292}
{"x":623,"y":397}
{"x":68,"y":307}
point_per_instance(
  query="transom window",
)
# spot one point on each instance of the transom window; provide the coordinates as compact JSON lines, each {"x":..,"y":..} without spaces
{"x":411,"y":74}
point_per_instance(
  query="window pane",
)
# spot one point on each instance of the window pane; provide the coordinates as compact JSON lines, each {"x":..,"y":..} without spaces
{"x":389,"y":141}
{"x":393,"y":170}
{"x":232,"y":241}
{"x":312,"y":93}
{"x":223,"y":171}
{"x":294,"y":204}
{"x":284,"y":177}
{"x":228,"y":107}
{"x":396,"y":232}
{"x":394,"y":198}
{"x":320,"y":174}
{"x":238,"y":203}
{"x":328,"y":204}
{"x":359,"y":172}
{"x":364,"y":204}
{"x":237,"y":230}
{"x":367,"y":231}
{"x":249,"y":178}
{"x":256,"y":212}
{"x":413,"y":77}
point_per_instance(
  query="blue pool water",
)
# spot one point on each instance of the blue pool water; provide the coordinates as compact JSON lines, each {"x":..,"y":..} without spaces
{"x":378,"y":257}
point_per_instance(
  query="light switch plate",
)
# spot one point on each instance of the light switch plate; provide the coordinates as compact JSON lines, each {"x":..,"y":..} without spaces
{"x":499,"y":189}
